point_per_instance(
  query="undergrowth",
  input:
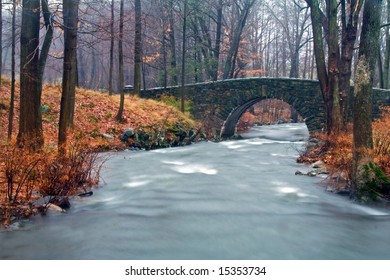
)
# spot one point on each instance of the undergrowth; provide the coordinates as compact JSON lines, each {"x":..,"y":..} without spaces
{"x":27,"y":176}
{"x":336,"y":152}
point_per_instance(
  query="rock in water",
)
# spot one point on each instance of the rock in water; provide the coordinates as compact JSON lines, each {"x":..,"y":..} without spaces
{"x":319,"y":164}
{"x":54,"y":208}
{"x":62,"y":202}
{"x":86,"y":194}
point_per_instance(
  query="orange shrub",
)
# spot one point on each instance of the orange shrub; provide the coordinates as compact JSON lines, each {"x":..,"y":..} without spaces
{"x":381,"y":138}
{"x":339,"y":154}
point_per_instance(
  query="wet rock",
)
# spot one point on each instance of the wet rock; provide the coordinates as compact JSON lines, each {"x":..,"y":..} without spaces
{"x":108,"y":137}
{"x":344,"y":190}
{"x":318,"y":164}
{"x":42,"y":201}
{"x":55,"y":208}
{"x":340,"y":177}
{"x":62,"y":202}
{"x":85,"y":194}
{"x":135,"y":146}
{"x":311,"y":173}
{"x":322,"y":171}
{"x":127,"y":134}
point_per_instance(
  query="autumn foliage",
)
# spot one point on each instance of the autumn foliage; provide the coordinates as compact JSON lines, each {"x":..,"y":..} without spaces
{"x":336,"y":150}
{"x":26,"y":176}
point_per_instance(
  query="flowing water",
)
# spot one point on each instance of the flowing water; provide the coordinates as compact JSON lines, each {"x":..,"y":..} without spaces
{"x":229,"y":200}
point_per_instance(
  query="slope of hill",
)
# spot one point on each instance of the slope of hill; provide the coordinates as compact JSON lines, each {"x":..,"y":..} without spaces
{"x":95,"y":113}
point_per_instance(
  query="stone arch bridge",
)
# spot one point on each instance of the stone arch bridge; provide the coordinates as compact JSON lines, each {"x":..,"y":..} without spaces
{"x":223,"y":102}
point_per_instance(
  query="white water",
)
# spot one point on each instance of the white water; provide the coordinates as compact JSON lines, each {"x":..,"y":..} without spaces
{"x":228,"y":200}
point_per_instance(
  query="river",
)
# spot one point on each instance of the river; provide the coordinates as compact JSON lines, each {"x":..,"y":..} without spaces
{"x":229,"y":200}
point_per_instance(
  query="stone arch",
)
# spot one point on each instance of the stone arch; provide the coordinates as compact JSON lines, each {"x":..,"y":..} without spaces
{"x":230,"y":124}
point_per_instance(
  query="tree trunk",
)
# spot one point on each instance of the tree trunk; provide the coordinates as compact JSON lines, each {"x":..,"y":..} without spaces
{"x":81,"y":68}
{"x":387,"y":51}
{"x":349,"y":34}
{"x":380,"y":69}
{"x":70,"y":14}
{"x":164,"y":54}
{"x":306,"y":62}
{"x":284,"y":56}
{"x":119,"y":116}
{"x":46,"y":43}
{"x":1,"y":39}
{"x":111,"y":48}
{"x":362,"y":119}
{"x":172,"y":42}
{"x":30,"y":119}
{"x":183,"y":63}
{"x":217,"y":49}
{"x":13,"y":47}
{"x":318,"y":42}
{"x":294,"y":70}
{"x":137,"y":49}
{"x":333,"y":68}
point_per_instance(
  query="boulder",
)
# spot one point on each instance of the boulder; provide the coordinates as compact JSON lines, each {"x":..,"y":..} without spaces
{"x":54,"y":208}
{"x":129,"y":133}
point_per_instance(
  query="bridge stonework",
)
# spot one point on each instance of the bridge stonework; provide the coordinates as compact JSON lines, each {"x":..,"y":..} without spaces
{"x":224,"y":102}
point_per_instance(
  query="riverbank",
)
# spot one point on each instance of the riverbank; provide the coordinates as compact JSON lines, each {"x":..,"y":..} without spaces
{"x":24,"y":177}
{"x":334,"y":155}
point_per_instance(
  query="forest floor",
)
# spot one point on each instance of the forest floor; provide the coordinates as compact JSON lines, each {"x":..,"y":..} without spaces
{"x":95,"y":129}
{"x":95,"y":116}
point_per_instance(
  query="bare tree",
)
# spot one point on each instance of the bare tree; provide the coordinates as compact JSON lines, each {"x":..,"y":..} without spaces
{"x":119,"y":116}
{"x":362,"y":112}
{"x":350,"y":11}
{"x":13,"y":47}
{"x":30,"y":119}
{"x":319,"y":53}
{"x":1,"y":39}
{"x":386,"y":63}
{"x":172,"y":42}
{"x":243,"y":12}
{"x":137,"y":48}
{"x":70,"y":14}
{"x":47,"y":16}
{"x":333,"y":67}
{"x":183,"y":62}
{"x":334,"y":77}
{"x":111,"y":48}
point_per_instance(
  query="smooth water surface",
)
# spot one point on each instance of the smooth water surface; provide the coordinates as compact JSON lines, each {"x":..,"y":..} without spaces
{"x":228,"y":200}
